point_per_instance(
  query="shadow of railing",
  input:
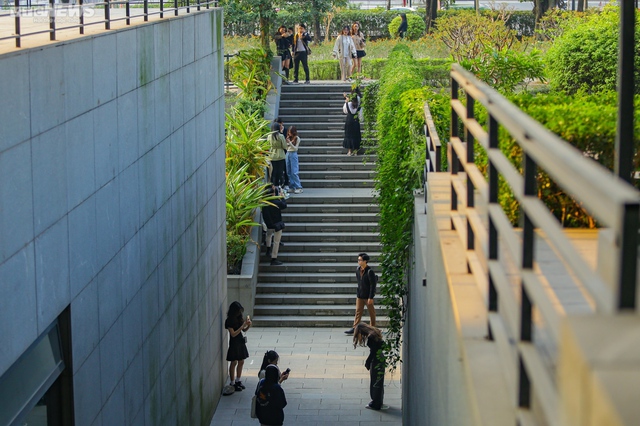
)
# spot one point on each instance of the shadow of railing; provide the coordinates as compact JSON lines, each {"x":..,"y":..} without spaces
{"x":524,"y":313}
{"x":65,"y":16}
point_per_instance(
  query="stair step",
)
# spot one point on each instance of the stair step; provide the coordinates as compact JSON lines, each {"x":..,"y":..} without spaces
{"x":326,"y":218}
{"x":338,"y":183}
{"x":304,"y":299}
{"x":343,"y":321}
{"x":313,"y":288}
{"x":336,"y":175}
{"x":269,"y":275}
{"x":317,"y":268}
{"x":331,"y":237}
{"x":329,"y":208}
{"x":333,"y":167}
{"x":308,"y":310}
{"x":332,"y":228}
{"x":289,"y":256}
{"x":330,"y":247}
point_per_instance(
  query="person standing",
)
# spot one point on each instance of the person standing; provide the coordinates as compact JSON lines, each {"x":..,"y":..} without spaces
{"x":345,"y":51}
{"x":301,"y":52}
{"x":277,"y":154}
{"x":283,"y":43}
{"x":352,"y":133}
{"x":293,"y":170}
{"x":402,"y":29}
{"x":272,"y":216}
{"x":237,"y":352}
{"x":375,"y":363}
{"x":366,"y":292}
{"x":358,"y":40}
{"x":270,"y":398}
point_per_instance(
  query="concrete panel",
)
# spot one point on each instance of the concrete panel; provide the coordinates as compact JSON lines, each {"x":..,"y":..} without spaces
{"x":147,"y":184}
{"x":204,"y":136}
{"x":16,"y":125}
{"x":151,"y":357}
{"x":87,"y":401}
{"x":83,"y":246}
{"x":127,"y":129}
{"x":201,"y":188}
{"x":133,"y":389}
{"x":149,"y":305}
{"x":109,"y":295}
{"x":85,"y":324}
{"x":165,"y":230}
{"x":188,"y":40}
{"x":163,"y":107}
{"x":210,"y":82}
{"x":49,"y":154}
{"x":146,"y":55}
{"x":190,"y":154}
{"x":126,"y":61}
{"x":175,"y":44}
{"x":113,"y":411}
{"x":178,"y":213}
{"x":177,"y":161}
{"x":108,"y":222}
{"x":163,"y":172}
{"x":17,"y":302}
{"x":149,"y":247}
{"x":111,"y":361}
{"x":16,"y":191}
{"x":167,"y":285}
{"x":168,"y":390}
{"x":161,"y":37}
{"x":177,"y":99}
{"x":189,"y":91}
{"x":46,"y":89}
{"x":52,"y":273}
{"x":190,"y":190}
{"x":203,"y":40}
{"x":146,"y":119}
{"x":81,"y":182}
{"x":166,"y":337}
{"x":129,"y":191}
{"x":78,"y":77}
{"x":200,"y":84}
{"x":105,"y":135}
{"x":104,"y":69}
{"x":131,"y":330}
{"x":131,"y":276}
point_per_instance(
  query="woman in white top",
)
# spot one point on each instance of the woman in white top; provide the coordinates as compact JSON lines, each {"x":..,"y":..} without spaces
{"x":293,"y":143}
{"x":345,"y":51}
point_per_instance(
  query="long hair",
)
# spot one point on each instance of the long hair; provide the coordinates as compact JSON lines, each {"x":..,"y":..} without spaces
{"x":354,"y":101}
{"x":362,"y":333}
{"x":235,"y":312}
{"x":292,"y":132}
{"x":269,"y":358}
{"x":275,"y":129}
{"x":353,"y":32}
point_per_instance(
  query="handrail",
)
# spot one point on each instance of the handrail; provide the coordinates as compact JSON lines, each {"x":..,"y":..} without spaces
{"x":433,"y":147}
{"x":56,"y":15}
{"x":614,"y":202}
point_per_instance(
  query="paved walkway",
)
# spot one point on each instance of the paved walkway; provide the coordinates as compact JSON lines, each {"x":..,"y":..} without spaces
{"x":328,"y":384}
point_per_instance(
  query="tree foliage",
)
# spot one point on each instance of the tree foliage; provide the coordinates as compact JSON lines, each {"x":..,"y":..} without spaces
{"x":415,"y":26}
{"x":585,"y":56}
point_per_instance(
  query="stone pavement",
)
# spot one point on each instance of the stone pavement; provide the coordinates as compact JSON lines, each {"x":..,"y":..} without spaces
{"x":328,"y":384}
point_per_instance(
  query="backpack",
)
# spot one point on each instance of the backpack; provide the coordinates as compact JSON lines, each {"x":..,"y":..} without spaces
{"x":375,"y":277}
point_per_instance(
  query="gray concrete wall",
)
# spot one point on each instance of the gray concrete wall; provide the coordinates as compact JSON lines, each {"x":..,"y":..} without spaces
{"x":112,"y":202}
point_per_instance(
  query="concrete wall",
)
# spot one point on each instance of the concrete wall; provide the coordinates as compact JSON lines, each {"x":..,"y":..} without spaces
{"x":451,"y":373}
{"x":112,"y":202}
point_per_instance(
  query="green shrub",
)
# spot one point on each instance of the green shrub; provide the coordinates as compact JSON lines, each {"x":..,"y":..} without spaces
{"x":585,"y":57}
{"x":236,"y":249}
{"x":415,"y":26}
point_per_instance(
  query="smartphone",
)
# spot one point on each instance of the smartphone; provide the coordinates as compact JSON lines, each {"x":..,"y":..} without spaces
{"x":287,"y":371}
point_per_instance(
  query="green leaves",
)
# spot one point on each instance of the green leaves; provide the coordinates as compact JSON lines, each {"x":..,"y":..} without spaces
{"x":250,"y":73}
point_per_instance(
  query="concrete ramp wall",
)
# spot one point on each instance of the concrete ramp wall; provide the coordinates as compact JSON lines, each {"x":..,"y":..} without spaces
{"x":112,"y":206}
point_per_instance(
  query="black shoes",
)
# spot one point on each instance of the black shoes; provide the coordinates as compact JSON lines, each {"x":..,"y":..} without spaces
{"x":239,"y":386}
{"x":275,"y":262}
{"x":268,"y":253}
{"x":349,"y":332}
{"x":307,"y":82}
{"x":371,"y":407}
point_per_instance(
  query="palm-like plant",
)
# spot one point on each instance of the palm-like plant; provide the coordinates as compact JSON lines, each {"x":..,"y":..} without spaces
{"x":246,"y":142}
{"x":245,"y":193}
{"x":251,"y":73}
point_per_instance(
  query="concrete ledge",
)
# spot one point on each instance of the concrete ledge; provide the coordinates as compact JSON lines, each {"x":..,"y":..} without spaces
{"x":243,"y":287}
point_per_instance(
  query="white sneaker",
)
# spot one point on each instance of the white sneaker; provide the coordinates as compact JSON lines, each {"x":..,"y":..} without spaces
{"x":297,"y":191}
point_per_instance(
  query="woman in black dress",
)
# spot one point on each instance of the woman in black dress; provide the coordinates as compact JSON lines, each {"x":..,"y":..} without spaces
{"x":365,"y":335}
{"x":352,"y":135}
{"x":283,"y":45}
{"x":237,"y":353}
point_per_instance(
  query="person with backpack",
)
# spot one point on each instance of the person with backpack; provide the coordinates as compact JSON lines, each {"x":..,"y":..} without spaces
{"x":367,"y":280}
{"x":270,"y":398}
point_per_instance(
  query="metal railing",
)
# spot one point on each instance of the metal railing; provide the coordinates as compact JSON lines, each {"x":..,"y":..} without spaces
{"x":524,"y":316}
{"x":433,"y":153}
{"x":64,"y":17}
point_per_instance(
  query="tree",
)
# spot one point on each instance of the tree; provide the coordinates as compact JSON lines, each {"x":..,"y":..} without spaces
{"x":266,"y":14}
{"x":431,"y":15}
{"x":315,"y":11}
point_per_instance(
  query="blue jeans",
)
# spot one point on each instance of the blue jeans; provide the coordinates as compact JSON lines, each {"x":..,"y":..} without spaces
{"x":292,"y":170}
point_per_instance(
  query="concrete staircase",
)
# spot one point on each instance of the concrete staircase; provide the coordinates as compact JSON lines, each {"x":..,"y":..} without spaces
{"x":333,"y":220}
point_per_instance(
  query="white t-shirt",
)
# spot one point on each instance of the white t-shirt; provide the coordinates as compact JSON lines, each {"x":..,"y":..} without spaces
{"x":291,"y":148}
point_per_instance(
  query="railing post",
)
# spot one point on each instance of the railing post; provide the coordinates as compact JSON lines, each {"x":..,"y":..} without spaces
{"x":17,"y":22}
{"x":128,"y":12}
{"x":453,"y":161}
{"x":161,"y":9}
{"x":493,"y":232}
{"x":81,"y":3}
{"x":107,"y":14}
{"x":146,"y":10}
{"x":175,"y":7}
{"x":470,"y":159}
{"x":628,"y":258}
{"x":52,"y":20}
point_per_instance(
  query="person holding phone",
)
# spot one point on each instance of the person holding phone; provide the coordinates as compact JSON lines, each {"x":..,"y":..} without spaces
{"x":272,"y":358}
{"x":301,"y":52}
{"x":345,"y":50}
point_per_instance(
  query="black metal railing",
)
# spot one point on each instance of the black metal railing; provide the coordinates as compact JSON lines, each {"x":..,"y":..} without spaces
{"x":433,"y":154}
{"x":227,"y":73}
{"x":523,"y":311}
{"x":65,"y":17}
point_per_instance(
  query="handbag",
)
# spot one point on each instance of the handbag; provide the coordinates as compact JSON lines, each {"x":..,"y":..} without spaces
{"x":308,"y":50}
{"x":254,"y":401}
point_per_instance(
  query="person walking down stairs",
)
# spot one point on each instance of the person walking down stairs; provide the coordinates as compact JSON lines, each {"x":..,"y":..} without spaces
{"x":272,"y":216}
{"x":352,"y":133}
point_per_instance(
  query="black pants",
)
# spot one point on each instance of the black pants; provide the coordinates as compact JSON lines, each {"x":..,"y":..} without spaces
{"x":300,"y":57}
{"x":376,"y":385}
{"x":277,"y":175}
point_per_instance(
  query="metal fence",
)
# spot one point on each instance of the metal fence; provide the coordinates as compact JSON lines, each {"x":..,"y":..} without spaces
{"x":64,"y":17}
{"x":524,"y":314}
